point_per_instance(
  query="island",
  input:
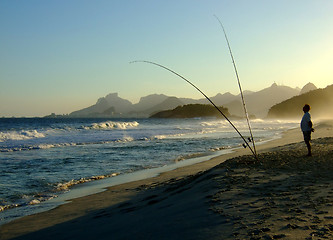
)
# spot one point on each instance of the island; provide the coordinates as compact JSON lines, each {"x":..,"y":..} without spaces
{"x":192,"y":111}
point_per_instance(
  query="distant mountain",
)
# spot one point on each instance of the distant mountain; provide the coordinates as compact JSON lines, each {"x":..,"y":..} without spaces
{"x":258,"y":103}
{"x":221,"y":99}
{"x":191,"y":111}
{"x":320,"y":100}
{"x":149,"y":102}
{"x":101,"y":106}
{"x":169,"y":103}
{"x":307,"y":88}
{"x":120,"y":105}
{"x":105,"y":107}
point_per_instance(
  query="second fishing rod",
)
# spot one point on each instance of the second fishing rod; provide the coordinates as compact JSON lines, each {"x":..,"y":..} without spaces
{"x":239,"y":85}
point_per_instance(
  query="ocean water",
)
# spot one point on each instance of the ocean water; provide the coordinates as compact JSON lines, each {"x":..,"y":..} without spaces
{"x":41,"y":159}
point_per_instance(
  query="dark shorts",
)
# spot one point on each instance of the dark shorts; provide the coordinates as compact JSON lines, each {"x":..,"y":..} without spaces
{"x":307,"y":135}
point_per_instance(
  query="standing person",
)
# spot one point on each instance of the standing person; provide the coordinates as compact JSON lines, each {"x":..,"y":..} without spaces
{"x":306,"y":127}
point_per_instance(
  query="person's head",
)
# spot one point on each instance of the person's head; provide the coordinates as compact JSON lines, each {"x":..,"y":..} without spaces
{"x":306,"y":108}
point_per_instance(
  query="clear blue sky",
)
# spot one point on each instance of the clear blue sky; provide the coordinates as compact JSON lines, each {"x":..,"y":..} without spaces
{"x":60,"y":56}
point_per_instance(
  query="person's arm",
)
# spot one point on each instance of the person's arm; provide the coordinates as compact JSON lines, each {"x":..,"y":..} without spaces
{"x":310,"y":125}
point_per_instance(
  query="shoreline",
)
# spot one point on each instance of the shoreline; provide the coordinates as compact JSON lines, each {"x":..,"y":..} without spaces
{"x":82,"y":207}
{"x":49,"y":187}
{"x":97,"y":184}
{"x":101,"y":185}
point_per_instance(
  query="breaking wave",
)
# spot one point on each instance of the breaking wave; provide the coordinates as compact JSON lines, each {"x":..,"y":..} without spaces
{"x":20,"y":135}
{"x":66,"y":185}
{"x":35,"y":147}
{"x":60,"y":187}
{"x":112,"y":125}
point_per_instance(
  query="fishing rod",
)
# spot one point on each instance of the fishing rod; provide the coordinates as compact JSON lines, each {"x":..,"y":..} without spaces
{"x":240,"y":87}
{"x":168,"y":69}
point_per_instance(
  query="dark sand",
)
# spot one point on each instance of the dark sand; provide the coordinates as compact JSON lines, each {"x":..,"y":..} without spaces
{"x":284,"y":195}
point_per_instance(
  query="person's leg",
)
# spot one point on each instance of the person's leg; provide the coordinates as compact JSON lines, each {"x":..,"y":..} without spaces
{"x":307,"y":139}
{"x":308,"y":145}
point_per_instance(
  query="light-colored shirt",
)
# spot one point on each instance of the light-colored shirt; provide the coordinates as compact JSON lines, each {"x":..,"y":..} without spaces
{"x":305,"y":122}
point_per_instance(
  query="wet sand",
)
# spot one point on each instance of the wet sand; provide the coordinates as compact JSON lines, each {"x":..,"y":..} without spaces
{"x":284,"y":195}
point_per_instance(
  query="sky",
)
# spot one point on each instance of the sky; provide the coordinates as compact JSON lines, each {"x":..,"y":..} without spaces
{"x":61,"y":56}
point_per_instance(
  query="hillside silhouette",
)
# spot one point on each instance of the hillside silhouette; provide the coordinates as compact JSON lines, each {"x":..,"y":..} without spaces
{"x":192,"y":111}
{"x":320,"y":100}
{"x":258,"y":103}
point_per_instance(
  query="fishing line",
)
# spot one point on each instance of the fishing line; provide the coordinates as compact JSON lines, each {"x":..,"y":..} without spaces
{"x":168,"y":69}
{"x":240,"y":87}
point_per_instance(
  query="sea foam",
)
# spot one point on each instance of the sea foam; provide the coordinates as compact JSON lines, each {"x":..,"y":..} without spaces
{"x":66,"y":185}
{"x":113,"y":125}
{"x":20,"y":135}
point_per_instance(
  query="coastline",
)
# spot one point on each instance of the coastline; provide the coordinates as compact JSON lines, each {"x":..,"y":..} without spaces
{"x":101,"y":185}
{"x":122,"y":201}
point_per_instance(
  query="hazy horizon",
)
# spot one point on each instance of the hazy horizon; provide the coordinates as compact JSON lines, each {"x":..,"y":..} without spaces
{"x":200,"y":97}
{"x":62,"y":56}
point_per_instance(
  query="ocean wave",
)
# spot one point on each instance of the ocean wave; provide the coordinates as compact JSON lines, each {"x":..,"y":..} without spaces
{"x":158,"y":137}
{"x":125,"y":139}
{"x":161,"y":137}
{"x":66,"y":185}
{"x":255,"y":124}
{"x":5,"y":207}
{"x":216,"y":124}
{"x":31,"y":200}
{"x":35,"y":147}
{"x":112,"y":125}
{"x":60,"y":187}
{"x":20,"y":135}
{"x":189,"y":156}
{"x":42,"y":146}
{"x":219,"y":148}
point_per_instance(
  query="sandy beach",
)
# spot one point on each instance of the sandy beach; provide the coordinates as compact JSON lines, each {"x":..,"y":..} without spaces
{"x":284,"y":195}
